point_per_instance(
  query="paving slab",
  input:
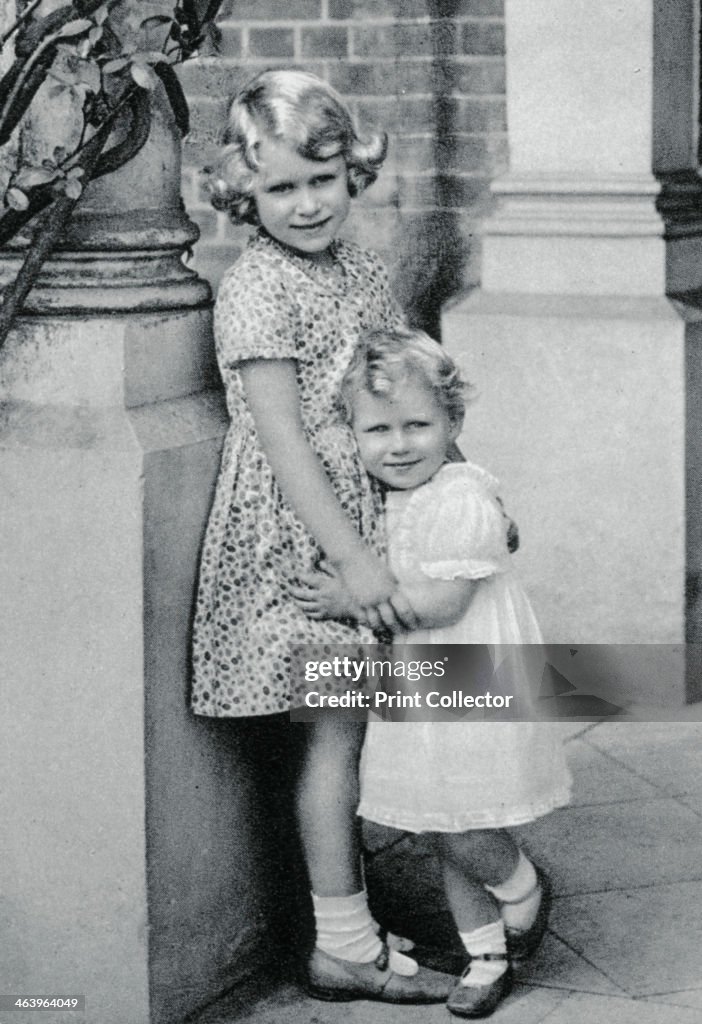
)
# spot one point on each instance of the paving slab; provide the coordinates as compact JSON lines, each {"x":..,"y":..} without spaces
{"x":693,"y":801}
{"x":555,"y":965}
{"x":599,"y":779}
{"x":666,"y":754}
{"x":584,"y":1009}
{"x":617,"y":846}
{"x":692,"y":998}
{"x":647,"y":941}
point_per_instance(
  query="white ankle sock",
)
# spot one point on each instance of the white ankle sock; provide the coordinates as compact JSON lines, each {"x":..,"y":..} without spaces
{"x":519,"y":896}
{"x":488,"y":939}
{"x":345,"y":930}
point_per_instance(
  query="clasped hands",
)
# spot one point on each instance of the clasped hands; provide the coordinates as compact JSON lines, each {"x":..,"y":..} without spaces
{"x":323,"y":595}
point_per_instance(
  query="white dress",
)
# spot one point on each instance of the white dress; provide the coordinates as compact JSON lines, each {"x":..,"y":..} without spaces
{"x":451,"y":776}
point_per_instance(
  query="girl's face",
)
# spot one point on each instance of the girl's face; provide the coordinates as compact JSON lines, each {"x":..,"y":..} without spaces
{"x":403,"y":439}
{"x":302,"y":203}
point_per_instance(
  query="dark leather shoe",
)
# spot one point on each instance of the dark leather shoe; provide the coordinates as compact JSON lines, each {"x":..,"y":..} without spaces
{"x":333,"y":979}
{"x":522,"y":945}
{"x":473,"y":1001}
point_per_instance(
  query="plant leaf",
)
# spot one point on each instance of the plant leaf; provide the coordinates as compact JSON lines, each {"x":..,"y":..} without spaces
{"x":89,"y":75}
{"x":75,"y":28}
{"x":73,"y":188}
{"x":156,"y":19}
{"x":60,"y":76}
{"x":113,"y":66}
{"x":33,"y":176}
{"x":16,"y":198}
{"x":143,"y":76}
{"x":150,"y":57}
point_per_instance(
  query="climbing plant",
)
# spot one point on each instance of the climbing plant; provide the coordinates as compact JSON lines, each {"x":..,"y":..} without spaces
{"x":77,"y":50}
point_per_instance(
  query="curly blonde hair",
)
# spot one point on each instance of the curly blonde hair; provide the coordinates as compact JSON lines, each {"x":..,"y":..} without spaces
{"x":305,"y":112}
{"x":384,"y":358}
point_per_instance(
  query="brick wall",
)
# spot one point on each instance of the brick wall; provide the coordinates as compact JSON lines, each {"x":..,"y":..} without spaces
{"x":429,"y":72}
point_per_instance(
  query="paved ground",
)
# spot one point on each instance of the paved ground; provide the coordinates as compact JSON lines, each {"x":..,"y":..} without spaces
{"x":625,"y":940}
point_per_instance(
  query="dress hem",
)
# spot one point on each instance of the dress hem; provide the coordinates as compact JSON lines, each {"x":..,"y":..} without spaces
{"x":509,"y":818}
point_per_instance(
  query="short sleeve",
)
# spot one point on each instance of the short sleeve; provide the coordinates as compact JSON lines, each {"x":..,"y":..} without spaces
{"x":459,"y":531}
{"x":255,"y":316}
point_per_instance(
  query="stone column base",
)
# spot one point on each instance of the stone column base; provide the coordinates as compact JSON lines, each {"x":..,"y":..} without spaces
{"x":556,"y":234}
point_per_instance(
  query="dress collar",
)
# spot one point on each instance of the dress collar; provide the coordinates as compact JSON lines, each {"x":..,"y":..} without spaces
{"x":332,"y":276}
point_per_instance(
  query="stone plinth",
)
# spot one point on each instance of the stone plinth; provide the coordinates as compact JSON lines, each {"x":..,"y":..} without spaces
{"x":130,"y":865}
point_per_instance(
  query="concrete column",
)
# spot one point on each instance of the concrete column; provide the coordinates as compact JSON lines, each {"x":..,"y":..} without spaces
{"x":130,"y":851}
{"x":582,"y":364}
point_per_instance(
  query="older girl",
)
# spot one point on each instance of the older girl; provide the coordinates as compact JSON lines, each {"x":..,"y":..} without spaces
{"x":292,"y":486}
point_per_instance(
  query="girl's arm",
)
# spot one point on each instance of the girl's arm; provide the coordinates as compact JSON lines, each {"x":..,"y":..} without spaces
{"x":430,"y":604}
{"x":438,"y":603}
{"x":272,"y":395}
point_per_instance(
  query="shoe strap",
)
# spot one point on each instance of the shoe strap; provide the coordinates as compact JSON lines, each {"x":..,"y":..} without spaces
{"x":486,"y":956}
{"x":383,"y":958}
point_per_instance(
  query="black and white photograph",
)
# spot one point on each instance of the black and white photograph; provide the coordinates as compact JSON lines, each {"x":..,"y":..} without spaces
{"x":350,"y":511}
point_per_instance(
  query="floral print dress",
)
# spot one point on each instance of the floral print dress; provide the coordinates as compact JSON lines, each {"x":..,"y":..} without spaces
{"x":276,"y":304}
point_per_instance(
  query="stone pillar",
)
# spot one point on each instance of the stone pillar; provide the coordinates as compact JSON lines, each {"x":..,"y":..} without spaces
{"x":582,"y":364}
{"x":128,"y":870}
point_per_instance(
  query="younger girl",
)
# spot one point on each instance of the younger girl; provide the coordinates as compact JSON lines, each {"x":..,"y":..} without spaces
{"x":447,"y":546}
{"x":292,"y":486}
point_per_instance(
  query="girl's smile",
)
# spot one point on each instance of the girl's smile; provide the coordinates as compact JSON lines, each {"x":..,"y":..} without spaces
{"x":403,"y":439}
{"x":301,"y":203}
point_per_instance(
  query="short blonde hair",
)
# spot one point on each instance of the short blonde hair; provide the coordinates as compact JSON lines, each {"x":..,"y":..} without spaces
{"x":383,"y":359}
{"x":302,"y":110}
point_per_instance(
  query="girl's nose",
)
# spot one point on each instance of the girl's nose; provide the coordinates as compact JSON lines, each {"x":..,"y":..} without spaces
{"x":307,"y":202}
{"x":399,"y":441}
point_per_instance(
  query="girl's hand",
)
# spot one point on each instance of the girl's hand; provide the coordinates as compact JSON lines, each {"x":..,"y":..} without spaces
{"x":404,"y":617}
{"x":391,"y":613}
{"x":322,"y":595}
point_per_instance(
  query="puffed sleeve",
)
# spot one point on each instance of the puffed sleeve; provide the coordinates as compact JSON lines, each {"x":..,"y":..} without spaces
{"x":459,"y":531}
{"x":255,"y":316}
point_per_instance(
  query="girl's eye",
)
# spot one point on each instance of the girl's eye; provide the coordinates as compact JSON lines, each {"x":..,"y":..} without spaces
{"x":284,"y":186}
{"x":323,"y":179}
{"x":418,"y":423}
